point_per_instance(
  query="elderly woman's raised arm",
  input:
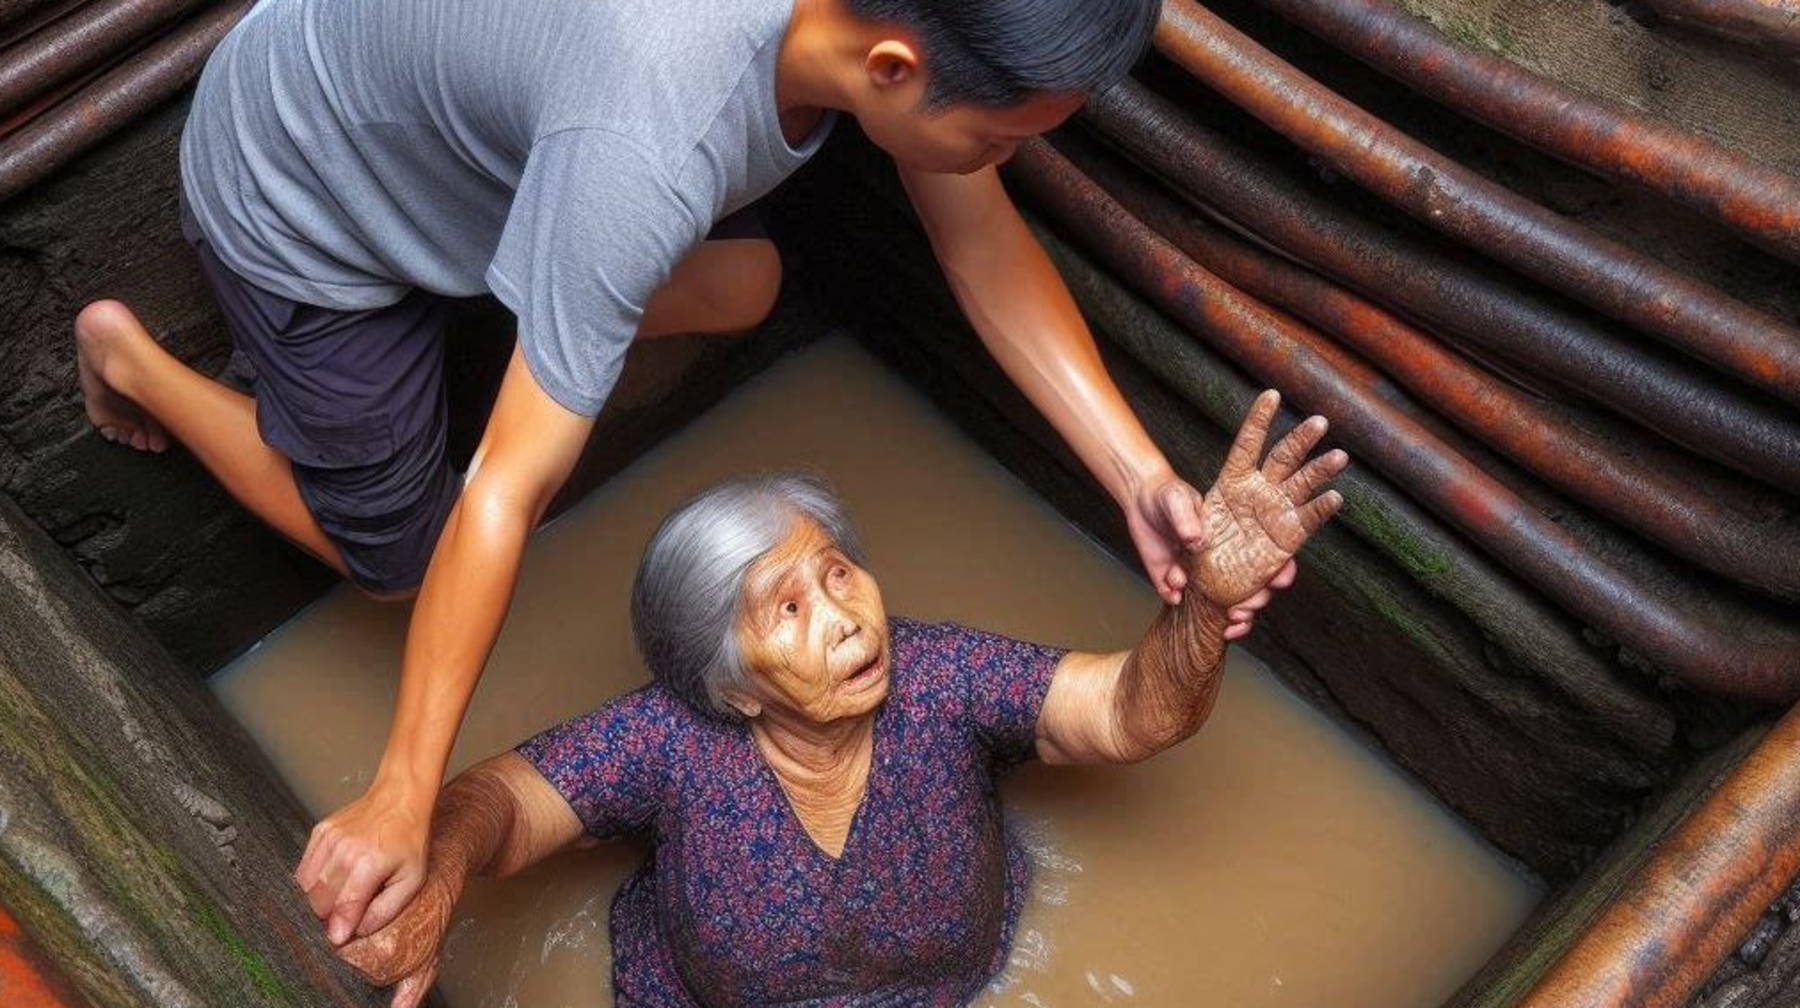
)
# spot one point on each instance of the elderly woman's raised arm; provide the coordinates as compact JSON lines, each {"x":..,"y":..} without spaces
{"x":1128,"y":706}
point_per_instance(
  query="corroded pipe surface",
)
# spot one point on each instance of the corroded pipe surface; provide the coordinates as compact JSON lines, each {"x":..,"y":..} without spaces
{"x":1507,"y":610}
{"x":1620,"y":281}
{"x":1771,"y":25}
{"x":1691,"y":406}
{"x":1678,"y":918}
{"x":1745,"y":535}
{"x":12,"y":11}
{"x":1713,"y":659}
{"x":134,"y":87}
{"x":1755,"y":200}
{"x":79,"y":42}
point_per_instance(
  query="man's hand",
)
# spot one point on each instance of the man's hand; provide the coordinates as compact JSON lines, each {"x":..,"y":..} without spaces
{"x":1164,"y":519}
{"x":1256,"y":517}
{"x":365,"y":861}
{"x":408,"y":951}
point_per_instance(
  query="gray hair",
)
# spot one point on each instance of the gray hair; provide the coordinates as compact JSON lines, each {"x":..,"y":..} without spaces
{"x":688,"y":596}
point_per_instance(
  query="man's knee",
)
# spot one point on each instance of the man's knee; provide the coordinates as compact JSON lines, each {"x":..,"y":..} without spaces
{"x":747,"y":293}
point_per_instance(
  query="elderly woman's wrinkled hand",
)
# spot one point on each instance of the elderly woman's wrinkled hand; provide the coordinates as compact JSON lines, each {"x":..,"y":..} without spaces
{"x":405,"y":954}
{"x":1257,"y":516}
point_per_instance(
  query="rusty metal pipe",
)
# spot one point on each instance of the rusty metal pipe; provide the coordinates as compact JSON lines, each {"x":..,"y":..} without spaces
{"x":79,"y":42}
{"x":1751,"y":198}
{"x":1762,"y":666}
{"x":1770,"y":25}
{"x":15,"y":11}
{"x":1685,"y":910}
{"x":1739,"y":532}
{"x":130,"y":90}
{"x":1622,"y":282}
{"x":1691,"y":406}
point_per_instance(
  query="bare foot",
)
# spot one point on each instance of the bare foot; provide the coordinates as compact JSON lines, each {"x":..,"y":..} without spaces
{"x":100,"y":330}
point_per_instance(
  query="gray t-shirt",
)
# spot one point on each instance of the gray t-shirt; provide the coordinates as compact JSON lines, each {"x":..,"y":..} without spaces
{"x":564,"y":154}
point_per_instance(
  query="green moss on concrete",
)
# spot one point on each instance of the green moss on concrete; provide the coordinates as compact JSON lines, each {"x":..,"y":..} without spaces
{"x":1380,"y":528}
{"x":1467,"y":31}
{"x":207,"y":913}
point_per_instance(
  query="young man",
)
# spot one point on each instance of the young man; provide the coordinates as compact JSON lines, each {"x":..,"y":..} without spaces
{"x":349,"y":162}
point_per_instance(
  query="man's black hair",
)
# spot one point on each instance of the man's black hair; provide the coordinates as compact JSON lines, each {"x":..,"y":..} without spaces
{"x":999,"y":52}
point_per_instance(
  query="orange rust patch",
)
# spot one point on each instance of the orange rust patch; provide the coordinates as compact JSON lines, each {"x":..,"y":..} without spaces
{"x":26,"y":981}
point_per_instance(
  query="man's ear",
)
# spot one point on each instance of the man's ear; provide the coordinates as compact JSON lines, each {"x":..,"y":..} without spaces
{"x":891,"y":63}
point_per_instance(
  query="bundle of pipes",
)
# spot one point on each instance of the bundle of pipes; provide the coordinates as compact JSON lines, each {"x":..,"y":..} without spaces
{"x":1622,"y":282}
{"x":1770,"y":25}
{"x":67,"y":117}
{"x":1658,"y":939}
{"x":1744,"y":656}
{"x":87,"y":37}
{"x":1705,"y":515}
{"x":1464,"y":302}
{"x":1603,"y":136}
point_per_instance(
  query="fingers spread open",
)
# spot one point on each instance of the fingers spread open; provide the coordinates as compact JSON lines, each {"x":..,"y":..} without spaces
{"x":1246,"y":448}
{"x":1292,"y":450}
{"x":1316,"y":512}
{"x":1314,"y":475}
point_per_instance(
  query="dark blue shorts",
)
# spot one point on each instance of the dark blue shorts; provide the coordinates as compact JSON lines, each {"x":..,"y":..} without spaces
{"x":355,"y":400}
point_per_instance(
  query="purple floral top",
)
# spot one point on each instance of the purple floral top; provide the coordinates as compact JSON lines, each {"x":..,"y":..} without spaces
{"x":738,"y":906}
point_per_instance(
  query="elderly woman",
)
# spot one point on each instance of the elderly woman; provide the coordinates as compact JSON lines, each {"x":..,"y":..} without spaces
{"x":815,"y":779}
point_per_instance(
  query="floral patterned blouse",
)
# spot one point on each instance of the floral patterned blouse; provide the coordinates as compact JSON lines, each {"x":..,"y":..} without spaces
{"x":737,"y":905}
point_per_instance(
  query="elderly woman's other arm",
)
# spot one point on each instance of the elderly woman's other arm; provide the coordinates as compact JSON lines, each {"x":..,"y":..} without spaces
{"x":1128,"y":706}
{"x":495,"y":818}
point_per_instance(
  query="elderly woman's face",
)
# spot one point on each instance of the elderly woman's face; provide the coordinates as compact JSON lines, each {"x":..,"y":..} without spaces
{"x":813,"y":633}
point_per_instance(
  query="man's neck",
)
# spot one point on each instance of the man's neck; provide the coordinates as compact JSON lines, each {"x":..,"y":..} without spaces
{"x":813,"y":51}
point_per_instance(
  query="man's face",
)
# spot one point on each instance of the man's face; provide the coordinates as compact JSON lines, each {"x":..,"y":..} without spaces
{"x":957,"y":139}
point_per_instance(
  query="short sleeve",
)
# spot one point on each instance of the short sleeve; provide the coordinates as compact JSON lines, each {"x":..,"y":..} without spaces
{"x":611,"y":765}
{"x":594,"y":230}
{"x":997,"y":683}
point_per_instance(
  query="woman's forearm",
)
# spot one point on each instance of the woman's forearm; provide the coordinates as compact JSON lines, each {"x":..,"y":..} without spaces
{"x":1169,"y":682}
{"x":472,"y":825}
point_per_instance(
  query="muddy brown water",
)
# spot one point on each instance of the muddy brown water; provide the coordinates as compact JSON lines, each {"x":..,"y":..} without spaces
{"x":1271,"y":860}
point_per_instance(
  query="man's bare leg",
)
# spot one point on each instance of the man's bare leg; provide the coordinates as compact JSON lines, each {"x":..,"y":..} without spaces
{"x":140,"y":395}
{"x":722,"y":286}
{"x":137,"y":393}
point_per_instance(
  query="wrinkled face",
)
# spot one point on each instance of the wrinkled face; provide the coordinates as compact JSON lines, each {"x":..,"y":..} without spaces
{"x":812,"y":632}
{"x":959,"y":139}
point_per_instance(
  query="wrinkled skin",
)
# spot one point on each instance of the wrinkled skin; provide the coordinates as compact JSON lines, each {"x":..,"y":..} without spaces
{"x":1257,"y":516}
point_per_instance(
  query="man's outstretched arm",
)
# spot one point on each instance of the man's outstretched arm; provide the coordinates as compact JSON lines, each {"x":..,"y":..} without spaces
{"x":365,"y":861}
{"x":1027,"y":319}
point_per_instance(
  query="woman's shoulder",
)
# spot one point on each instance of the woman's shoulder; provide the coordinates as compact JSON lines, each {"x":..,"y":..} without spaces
{"x":932,"y":660}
